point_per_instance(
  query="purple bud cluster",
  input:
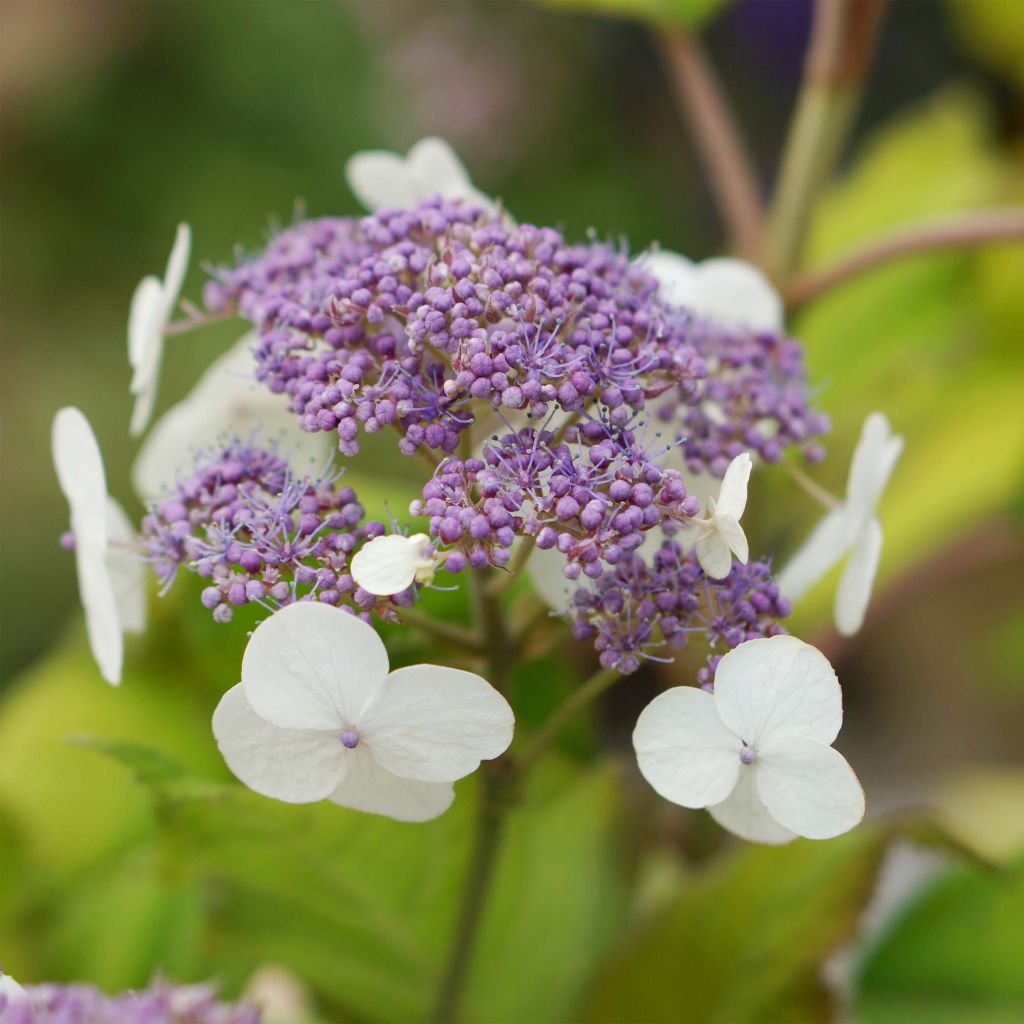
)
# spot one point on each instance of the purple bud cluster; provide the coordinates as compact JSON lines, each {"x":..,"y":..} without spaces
{"x":258,"y":533}
{"x":451,"y":305}
{"x":161,"y":1003}
{"x":592,"y":495}
{"x":636,"y":609}
{"x":754,"y":399}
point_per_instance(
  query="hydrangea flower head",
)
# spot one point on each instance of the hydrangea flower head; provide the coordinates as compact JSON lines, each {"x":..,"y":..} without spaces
{"x":757,"y":753}
{"x":853,"y":528}
{"x":110,"y":575}
{"x":151,"y":308}
{"x":227,"y":401}
{"x":318,"y":716}
{"x":431,"y":168}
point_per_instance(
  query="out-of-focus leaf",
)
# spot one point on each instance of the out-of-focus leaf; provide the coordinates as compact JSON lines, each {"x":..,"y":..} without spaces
{"x":994,"y":31}
{"x":954,"y":956}
{"x":660,"y":13}
{"x":983,"y":811}
{"x":362,"y":908}
{"x":745,"y":940}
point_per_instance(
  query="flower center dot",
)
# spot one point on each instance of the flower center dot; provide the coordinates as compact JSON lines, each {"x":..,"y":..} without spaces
{"x":350,"y":740}
{"x":747,"y":754}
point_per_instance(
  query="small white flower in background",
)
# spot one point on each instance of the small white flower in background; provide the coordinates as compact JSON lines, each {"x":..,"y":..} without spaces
{"x":227,"y":401}
{"x":392,"y":563}
{"x":318,"y":716}
{"x":853,"y":527}
{"x":111,"y":580}
{"x":757,"y":754}
{"x":381,"y":179}
{"x":152,"y":306}
{"x":720,"y":534}
{"x":728,"y":291}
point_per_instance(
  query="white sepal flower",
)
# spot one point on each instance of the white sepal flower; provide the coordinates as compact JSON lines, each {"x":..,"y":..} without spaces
{"x":728,"y":291}
{"x":720,"y":535}
{"x":380,"y":179}
{"x":757,"y":754}
{"x":852,"y":528}
{"x":110,"y":578}
{"x":318,"y":716}
{"x":151,"y":308}
{"x":14,"y":993}
{"x":391,"y":563}
{"x":227,"y":401}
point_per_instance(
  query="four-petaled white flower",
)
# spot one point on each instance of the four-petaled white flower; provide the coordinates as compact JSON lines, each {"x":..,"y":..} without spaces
{"x":380,"y":179}
{"x":111,"y":579}
{"x":853,"y":527}
{"x":318,"y":716}
{"x":758,"y":753}
{"x":728,"y":291}
{"x":720,"y":534}
{"x":152,"y":305}
{"x":227,"y":402}
{"x":392,"y":563}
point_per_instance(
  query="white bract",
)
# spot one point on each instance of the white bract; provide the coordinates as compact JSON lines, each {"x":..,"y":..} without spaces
{"x":11,"y":990}
{"x":318,"y":716}
{"x":720,"y":535}
{"x":728,"y":291}
{"x":390,"y":564}
{"x":758,"y":753}
{"x":381,"y":179}
{"x":227,"y":402}
{"x":852,"y":528}
{"x":152,"y":306}
{"x":111,"y":579}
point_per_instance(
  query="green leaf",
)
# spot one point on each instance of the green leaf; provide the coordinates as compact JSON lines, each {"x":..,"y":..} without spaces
{"x":745,"y":939}
{"x":659,"y":13}
{"x":953,"y":957}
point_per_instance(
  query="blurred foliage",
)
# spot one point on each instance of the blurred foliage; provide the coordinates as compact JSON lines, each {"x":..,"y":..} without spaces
{"x":126,"y":845}
{"x":658,"y":13}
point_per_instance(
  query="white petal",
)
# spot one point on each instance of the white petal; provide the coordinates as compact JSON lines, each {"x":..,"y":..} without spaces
{"x":368,"y":787}
{"x":12,"y":990}
{"x":390,"y":564}
{"x":729,"y":292}
{"x":102,"y":622}
{"x":732,"y":533}
{"x":126,"y":569}
{"x":828,"y":542}
{"x":294,"y":765}
{"x":79,"y":465}
{"x":177,"y":267}
{"x":312,"y":666}
{"x":379,"y":179}
{"x":436,"y":724}
{"x":808,"y":787}
{"x":437,"y":170}
{"x":778,"y":686}
{"x":143,"y":315}
{"x":743,"y":813}
{"x":546,"y":569}
{"x":854,"y":592}
{"x":732,"y":497}
{"x":227,"y":402}
{"x":683,"y":749}
{"x":714,"y":555}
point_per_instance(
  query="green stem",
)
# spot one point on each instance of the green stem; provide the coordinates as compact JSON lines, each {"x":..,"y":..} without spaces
{"x":449,"y":632}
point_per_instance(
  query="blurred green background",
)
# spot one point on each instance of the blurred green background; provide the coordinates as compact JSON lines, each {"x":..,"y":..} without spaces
{"x":119,"y":120}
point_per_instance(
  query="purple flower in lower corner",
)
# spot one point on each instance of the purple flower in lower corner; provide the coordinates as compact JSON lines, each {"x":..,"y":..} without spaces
{"x":757,"y":754}
{"x":318,"y":716}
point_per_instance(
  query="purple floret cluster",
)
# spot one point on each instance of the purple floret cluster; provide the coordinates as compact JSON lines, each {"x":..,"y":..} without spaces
{"x":421,"y":320}
{"x":259,"y":533}
{"x":638,"y":610}
{"x":161,"y":1003}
